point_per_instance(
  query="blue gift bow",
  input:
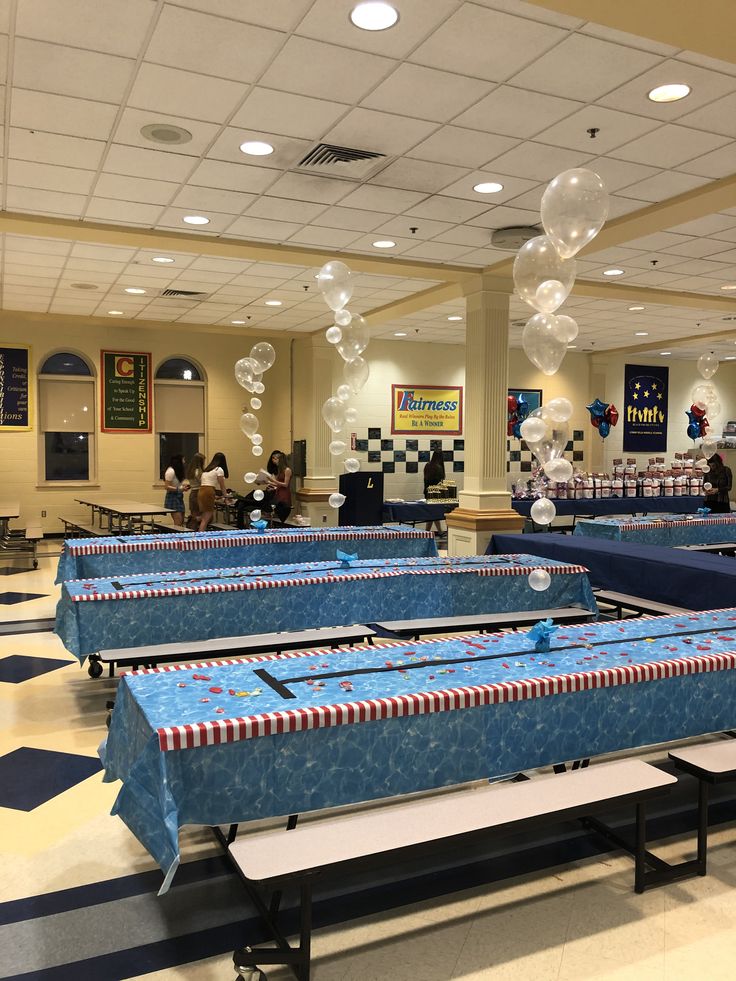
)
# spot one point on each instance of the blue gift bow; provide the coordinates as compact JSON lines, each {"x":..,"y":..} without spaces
{"x":704,"y":511}
{"x":260,"y":525}
{"x":346,"y":558}
{"x":541,"y":633}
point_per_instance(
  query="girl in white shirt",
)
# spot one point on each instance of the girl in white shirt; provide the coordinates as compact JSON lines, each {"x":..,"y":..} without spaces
{"x":212,"y":481}
{"x":175,"y":487}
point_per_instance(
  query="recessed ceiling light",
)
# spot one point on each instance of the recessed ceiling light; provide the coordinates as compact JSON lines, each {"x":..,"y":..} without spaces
{"x":665,"y":352}
{"x":728,"y":287}
{"x":488,"y":187}
{"x":196,"y":220}
{"x":402,"y":333}
{"x":374,"y":16}
{"x":637,"y":308}
{"x":161,"y":258}
{"x":238,"y":323}
{"x":115,"y":313}
{"x":256,"y":148}
{"x":641,"y":333}
{"x":135,"y":290}
{"x":165,"y":133}
{"x":730,"y":357}
{"x":669,"y":93}
{"x":571,"y":346}
{"x":454,"y":318}
{"x":384,"y":243}
{"x":613,"y":272}
{"x":273,"y":303}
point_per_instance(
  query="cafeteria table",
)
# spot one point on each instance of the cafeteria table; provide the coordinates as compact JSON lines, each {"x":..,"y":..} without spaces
{"x":668,"y":575}
{"x":166,"y":607}
{"x":122,"y":514}
{"x":88,"y":558}
{"x":591,"y":508}
{"x":229,"y":742}
{"x":668,"y":529}
{"x":412,"y":512}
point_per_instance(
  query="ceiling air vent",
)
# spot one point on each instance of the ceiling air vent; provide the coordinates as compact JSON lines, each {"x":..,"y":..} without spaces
{"x":341,"y":161}
{"x":186,"y":294}
{"x":511,"y":239}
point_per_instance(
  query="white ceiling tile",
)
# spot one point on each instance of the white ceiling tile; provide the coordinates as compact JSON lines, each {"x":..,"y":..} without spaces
{"x":284,"y":209}
{"x":352,"y":219}
{"x":133,"y":161}
{"x":100,"y":25}
{"x":538,"y":162}
{"x":669,"y":146}
{"x":441,"y":208}
{"x":581,"y":63}
{"x":718,"y":163}
{"x":614,"y":128}
{"x":41,"y":261}
{"x":512,"y":187}
{"x":619,"y":205}
{"x":632,"y":40}
{"x":206,"y":199}
{"x":382,"y":198}
{"x":728,"y":257}
{"x":61,"y":114}
{"x":505,"y":217}
{"x":180,"y":93}
{"x":664,"y":185}
{"x":104,"y":252}
{"x":267,"y":110}
{"x":365,"y":244}
{"x":380,"y":132}
{"x":135,"y":189}
{"x":324,"y":71}
{"x":26,"y":243}
{"x":131,"y":122}
{"x":710,"y":225}
{"x":304,"y":187}
{"x":229,"y":176}
{"x":463,"y":147}
{"x":426,"y":93}
{"x":282,"y":15}
{"x":718,"y":117}
{"x":486,"y":43}
{"x":712,"y":64}
{"x":706,"y":86}
{"x":69,"y":71}
{"x":402,"y":225}
{"x":476,"y":238}
{"x":515,"y":112}
{"x":50,"y":178}
{"x":485,"y":257}
{"x":418,"y":175}
{"x":277,"y":231}
{"x":37,"y":201}
{"x":67,"y":151}
{"x":617,"y":174}
{"x":200,"y":42}
{"x":436,"y":251}
{"x":335,"y":238}
{"x":126,"y":212}
{"x":174,"y":218}
{"x":657,"y":241}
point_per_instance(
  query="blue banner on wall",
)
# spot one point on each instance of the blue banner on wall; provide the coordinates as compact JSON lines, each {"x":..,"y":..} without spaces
{"x":15,"y":402}
{"x":645,"y":408}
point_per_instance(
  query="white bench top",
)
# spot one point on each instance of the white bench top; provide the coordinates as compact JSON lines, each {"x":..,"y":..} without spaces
{"x":717,"y":758}
{"x":316,"y":844}
{"x":474,"y":620}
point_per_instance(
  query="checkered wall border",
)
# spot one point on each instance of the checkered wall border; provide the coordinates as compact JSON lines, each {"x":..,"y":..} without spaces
{"x":519,"y":456}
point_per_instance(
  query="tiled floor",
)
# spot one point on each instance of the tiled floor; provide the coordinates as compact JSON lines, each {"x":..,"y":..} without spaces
{"x":569,"y":922}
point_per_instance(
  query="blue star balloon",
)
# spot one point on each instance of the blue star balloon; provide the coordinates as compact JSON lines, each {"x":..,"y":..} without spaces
{"x":522,"y":408}
{"x":604,"y":428}
{"x":597,"y":408}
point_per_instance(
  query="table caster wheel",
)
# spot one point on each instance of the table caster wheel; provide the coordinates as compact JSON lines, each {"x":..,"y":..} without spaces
{"x":95,"y":669}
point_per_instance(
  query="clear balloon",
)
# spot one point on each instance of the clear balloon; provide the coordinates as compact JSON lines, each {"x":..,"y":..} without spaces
{"x":559,"y":409}
{"x":343,"y":392}
{"x":709,"y":447}
{"x":352,"y":465}
{"x":351,"y":415}
{"x":337,"y":447}
{"x":538,"y":266}
{"x":540,"y":579}
{"x":258,"y":495}
{"x":333,"y":334}
{"x":543,"y":511}
{"x":256,"y":439}
{"x":264,"y":355}
{"x":336,"y":500}
{"x":355,"y":339}
{"x":248,"y":423}
{"x":533,"y":430}
{"x":250,"y":477}
{"x":246,"y":373}
{"x":702,"y":464}
{"x":541,"y":344}
{"x":255,"y":515}
{"x":566,"y":328}
{"x":356,"y":374}
{"x":714,"y":410}
{"x":259,"y":388}
{"x":333,"y":413}
{"x":708,"y":365}
{"x":574,"y":209}
{"x":257,"y":450}
{"x":707,"y":486}
{"x":255,"y":403}
{"x":558,"y":469}
{"x":334,"y":281}
{"x":552,"y":444}
{"x":343,"y":318}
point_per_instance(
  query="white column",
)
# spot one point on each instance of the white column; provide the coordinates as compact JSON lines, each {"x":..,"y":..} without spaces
{"x":319,"y":481}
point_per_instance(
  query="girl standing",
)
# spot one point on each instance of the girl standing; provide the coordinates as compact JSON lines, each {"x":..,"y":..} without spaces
{"x":281,"y":483}
{"x":194,"y":476}
{"x":212,"y":481}
{"x":174,"y":483}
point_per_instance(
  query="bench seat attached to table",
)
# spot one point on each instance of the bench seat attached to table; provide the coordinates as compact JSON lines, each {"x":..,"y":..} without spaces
{"x":636,"y":604}
{"x":483,"y":622}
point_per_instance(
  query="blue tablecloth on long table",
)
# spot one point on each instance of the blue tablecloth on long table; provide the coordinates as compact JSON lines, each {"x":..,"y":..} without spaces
{"x":90,"y":558}
{"x":156,"y":608}
{"x":618,"y":505}
{"x":688,"y":579}
{"x":410,"y":511}
{"x":667,"y":529}
{"x":239,"y":741}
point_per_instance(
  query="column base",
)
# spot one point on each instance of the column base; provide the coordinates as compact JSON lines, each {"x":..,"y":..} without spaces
{"x":469,"y":532}
{"x":314,"y":506}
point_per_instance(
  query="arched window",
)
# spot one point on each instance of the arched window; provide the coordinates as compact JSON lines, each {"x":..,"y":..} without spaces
{"x":179,"y":400}
{"x":66,"y":398}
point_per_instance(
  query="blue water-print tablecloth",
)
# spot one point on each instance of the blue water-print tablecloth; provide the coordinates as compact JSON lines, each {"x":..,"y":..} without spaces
{"x":156,"y":608}
{"x":665,"y":529}
{"x":90,"y":558}
{"x":239,"y":741}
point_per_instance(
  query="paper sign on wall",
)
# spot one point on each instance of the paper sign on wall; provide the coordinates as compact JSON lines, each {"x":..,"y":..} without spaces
{"x":15,"y":402}
{"x":417,"y":409}
{"x":126,"y":392}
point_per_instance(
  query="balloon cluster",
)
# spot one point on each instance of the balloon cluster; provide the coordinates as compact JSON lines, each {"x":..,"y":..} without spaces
{"x":249,"y":373}
{"x":602,"y":416}
{"x":350,"y":335}
{"x":546,"y":433}
{"x":574,"y":208}
{"x":518,"y":410}
{"x":697,"y":421}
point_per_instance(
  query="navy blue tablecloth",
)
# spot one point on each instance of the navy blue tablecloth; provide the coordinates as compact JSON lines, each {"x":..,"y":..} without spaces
{"x":407,"y":512}
{"x":688,"y":579}
{"x":619,"y":505}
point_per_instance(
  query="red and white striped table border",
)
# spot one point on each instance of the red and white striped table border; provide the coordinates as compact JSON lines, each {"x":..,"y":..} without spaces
{"x":693,"y":522}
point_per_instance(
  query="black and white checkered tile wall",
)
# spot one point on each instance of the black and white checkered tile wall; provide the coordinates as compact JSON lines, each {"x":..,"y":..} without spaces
{"x":519,"y":457}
